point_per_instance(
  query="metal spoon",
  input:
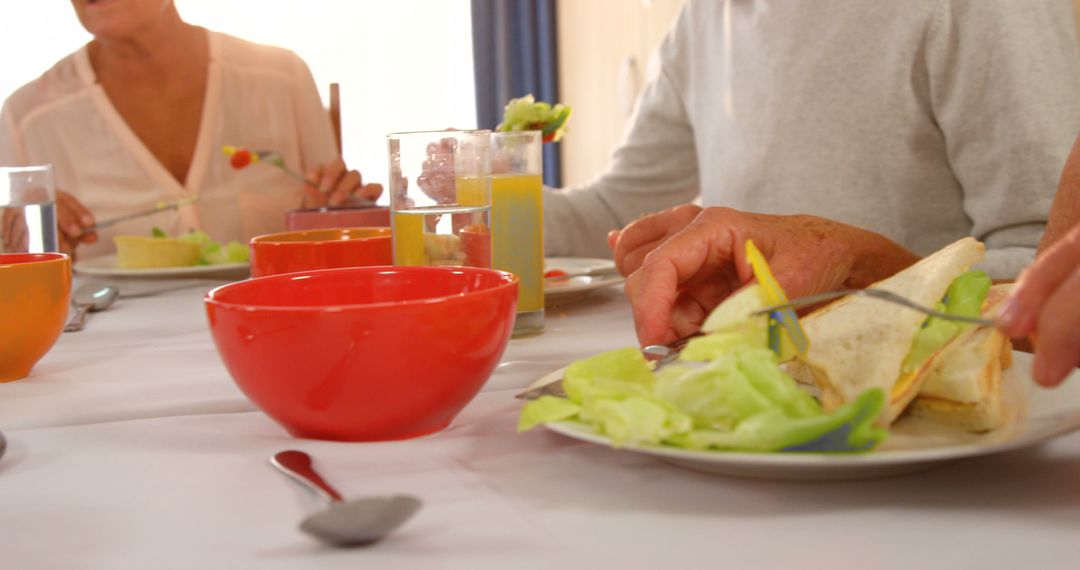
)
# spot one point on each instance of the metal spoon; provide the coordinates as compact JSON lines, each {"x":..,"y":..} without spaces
{"x":345,"y":523}
{"x":90,"y":297}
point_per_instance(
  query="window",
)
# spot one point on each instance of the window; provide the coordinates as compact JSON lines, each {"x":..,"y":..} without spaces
{"x":402,"y":65}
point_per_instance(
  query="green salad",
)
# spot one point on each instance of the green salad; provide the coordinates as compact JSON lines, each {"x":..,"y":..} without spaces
{"x":528,"y":114}
{"x":727,"y":392}
{"x":210,"y":252}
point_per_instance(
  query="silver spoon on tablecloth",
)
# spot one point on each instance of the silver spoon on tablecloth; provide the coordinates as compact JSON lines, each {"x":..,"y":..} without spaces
{"x":90,"y":298}
{"x":354,"y":522}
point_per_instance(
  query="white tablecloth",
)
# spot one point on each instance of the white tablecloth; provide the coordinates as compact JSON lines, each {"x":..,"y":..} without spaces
{"x":130,"y":447}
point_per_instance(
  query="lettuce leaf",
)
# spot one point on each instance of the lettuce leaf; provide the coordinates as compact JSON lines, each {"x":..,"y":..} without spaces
{"x":623,"y":372}
{"x":635,"y":419}
{"x":528,"y":114}
{"x":546,"y":409}
{"x":848,"y":429}
{"x":720,"y":344}
{"x":214,"y":253}
{"x":964,"y":297}
{"x":741,"y":402}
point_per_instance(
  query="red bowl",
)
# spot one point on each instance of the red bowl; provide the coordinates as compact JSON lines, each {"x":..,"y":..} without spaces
{"x":289,"y":252}
{"x":366,"y":353}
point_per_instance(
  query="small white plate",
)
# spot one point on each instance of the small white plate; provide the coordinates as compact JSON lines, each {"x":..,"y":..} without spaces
{"x":913,"y":445}
{"x":105,"y":266}
{"x":566,"y":291}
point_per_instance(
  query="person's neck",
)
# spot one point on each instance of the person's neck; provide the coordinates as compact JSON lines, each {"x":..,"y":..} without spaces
{"x":157,"y":50}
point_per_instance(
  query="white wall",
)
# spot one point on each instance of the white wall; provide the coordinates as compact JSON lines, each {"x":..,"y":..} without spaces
{"x":402,"y":64}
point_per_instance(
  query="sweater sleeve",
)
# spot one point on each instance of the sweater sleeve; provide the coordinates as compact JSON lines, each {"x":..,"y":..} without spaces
{"x":654,"y":167}
{"x":1003,"y":81}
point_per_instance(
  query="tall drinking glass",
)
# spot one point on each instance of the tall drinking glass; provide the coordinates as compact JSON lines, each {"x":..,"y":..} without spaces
{"x":27,"y":210}
{"x":517,"y":222}
{"x":440,"y":197}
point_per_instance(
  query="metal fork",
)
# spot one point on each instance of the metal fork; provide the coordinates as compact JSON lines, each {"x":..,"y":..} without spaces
{"x":159,"y":207}
{"x":877,"y":294}
{"x":662,"y":355}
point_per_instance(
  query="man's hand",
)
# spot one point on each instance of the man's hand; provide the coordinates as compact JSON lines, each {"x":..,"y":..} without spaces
{"x":72,"y":219}
{"x":631,"y":244}
{"x":1046,"y":306}
{"x":687,"y":275}
{"x":336,"y":185}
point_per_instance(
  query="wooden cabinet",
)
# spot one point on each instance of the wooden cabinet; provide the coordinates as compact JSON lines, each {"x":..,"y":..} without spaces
{"x":604,"y":49}
{"x":1076,"y":10}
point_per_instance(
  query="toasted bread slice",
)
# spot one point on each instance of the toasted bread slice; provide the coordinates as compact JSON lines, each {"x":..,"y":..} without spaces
{"x":859,"y":343}
{"x":963,"y":386}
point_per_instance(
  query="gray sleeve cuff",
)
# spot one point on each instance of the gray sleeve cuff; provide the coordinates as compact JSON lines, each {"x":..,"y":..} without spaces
{"x":1006,"y":262}
{"x":576,"y":225}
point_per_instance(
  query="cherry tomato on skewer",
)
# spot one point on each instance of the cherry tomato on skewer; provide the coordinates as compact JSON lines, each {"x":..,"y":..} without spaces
{"x":240,"y":159}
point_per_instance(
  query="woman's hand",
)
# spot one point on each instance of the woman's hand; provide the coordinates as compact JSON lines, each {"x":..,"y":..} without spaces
{"x":72,"y":220}
{"x":686,"y":275}
{"x":335,"y":185}
{"x":1045,"y":305}
{"x":437,"y":179}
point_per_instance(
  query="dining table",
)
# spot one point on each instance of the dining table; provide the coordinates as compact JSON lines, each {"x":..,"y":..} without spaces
{"x":129,"y":446}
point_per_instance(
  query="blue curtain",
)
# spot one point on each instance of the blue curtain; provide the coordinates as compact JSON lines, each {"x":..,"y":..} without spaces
{"x":514,"y":52}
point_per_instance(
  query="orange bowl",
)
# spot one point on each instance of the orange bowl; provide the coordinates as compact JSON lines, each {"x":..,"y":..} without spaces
{"x":35,"y":289}
{"x":289,"y":252}
{"x":365,"y":353}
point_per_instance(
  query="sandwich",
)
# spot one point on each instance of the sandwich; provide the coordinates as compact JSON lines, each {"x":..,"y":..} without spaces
{"x":963,"y":384}
{"x":860,"y":343}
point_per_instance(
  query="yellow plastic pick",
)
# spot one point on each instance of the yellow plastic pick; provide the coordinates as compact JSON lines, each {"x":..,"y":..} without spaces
{"x":774,"y":295}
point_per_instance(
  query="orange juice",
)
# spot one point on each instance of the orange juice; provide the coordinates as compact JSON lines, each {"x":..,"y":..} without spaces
{"x":517,"y":228}
{"x":408,"y":232}
{"x":471,"y":191}
{"x":451,"y":234}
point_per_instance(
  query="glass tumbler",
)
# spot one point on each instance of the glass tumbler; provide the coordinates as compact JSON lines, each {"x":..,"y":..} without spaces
{"x":517,"y":221}
{"x":27,"y":210}
{"x":440,"y":197}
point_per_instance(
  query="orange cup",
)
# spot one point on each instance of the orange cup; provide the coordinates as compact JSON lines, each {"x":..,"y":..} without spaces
{"x":289,"y":252}
{"x":35,"y":290}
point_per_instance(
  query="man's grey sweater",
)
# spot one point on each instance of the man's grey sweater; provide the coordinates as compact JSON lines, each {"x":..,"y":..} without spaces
{"x":923,"y":120}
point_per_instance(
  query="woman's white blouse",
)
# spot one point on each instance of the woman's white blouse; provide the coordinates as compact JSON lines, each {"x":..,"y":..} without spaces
{"x":258,"y":97}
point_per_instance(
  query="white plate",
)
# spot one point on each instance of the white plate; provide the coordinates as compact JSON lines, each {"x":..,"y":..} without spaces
{"x":105,"y":266}
{"x":914,"y":444}
{"x":566,"y":291}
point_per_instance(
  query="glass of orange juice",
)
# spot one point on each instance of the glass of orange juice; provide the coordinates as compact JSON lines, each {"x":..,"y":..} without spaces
{"x":517,"y":222}
{"x":440,"y":197}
